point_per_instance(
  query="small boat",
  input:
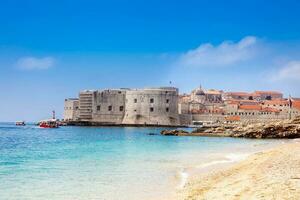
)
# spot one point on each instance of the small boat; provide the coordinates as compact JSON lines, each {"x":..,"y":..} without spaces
{"x":48,"y":123}
{"x":20,"y":123}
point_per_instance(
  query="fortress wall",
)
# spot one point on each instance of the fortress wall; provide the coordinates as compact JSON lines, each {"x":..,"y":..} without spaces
{"x":185,"y":119}
{"x":71,"y":109}
{"x":208,"y":117}
{"x":109,"y":106}
{"x":155,"y":106}
{"x":86,"y":105}
{"x":243,"y":118}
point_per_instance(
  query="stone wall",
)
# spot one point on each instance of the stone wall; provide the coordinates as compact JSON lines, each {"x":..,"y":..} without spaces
{"x":185,"y":119}
{"x":184,"y":108}
{"x":152,"y":106}
{"x":71,"y":109}
{"x":249,"y":117}
{"x":86,"y":105}
{"x":109,"y":106}
{"x":208,"y":117}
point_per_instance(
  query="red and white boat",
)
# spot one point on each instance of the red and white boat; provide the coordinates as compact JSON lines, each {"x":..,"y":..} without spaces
{"x":49,"y":123}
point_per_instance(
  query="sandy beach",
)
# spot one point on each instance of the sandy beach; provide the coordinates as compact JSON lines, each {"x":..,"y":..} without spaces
{"x":272,"y":174}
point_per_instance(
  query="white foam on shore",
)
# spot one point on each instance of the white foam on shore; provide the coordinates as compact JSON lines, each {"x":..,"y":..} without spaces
{"x":234,"y":157}
{"x":297,"y":140}
{"x":229,"y":158}
{"x":183,"y":178}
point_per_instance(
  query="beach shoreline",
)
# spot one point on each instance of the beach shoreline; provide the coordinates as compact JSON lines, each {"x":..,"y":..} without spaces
{"x":268,"y":174}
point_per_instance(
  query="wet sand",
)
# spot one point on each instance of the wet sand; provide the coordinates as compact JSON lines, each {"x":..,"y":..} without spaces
{"x":272,"y":174}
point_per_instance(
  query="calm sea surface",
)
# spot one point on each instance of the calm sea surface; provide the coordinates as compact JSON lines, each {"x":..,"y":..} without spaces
{"x":111,"y":163}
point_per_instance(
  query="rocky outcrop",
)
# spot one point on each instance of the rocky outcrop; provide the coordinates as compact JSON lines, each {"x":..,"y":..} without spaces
{"x":279,"y":129}
{"x":217,"y":131}
{"x":174,"y":132}
{"x":282,"y":129}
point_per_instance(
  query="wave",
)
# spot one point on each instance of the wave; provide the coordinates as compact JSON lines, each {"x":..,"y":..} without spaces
{"x":229,"y":158}
{"x":183,"y":178}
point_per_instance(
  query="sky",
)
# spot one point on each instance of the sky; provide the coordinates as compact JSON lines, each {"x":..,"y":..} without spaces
{"x":50,"y":50}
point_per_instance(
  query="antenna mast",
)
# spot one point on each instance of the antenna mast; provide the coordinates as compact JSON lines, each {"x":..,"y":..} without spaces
{"x":53,"y":114}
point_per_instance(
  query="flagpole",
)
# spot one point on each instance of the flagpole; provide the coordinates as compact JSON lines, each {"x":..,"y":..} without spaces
{"x":290,"y":107}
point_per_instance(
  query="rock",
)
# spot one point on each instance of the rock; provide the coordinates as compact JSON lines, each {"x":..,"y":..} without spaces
{"x":296,"y":120}
{"x":281,"y":129}
{"x":272,"y":129}
{"x":174,"y":132}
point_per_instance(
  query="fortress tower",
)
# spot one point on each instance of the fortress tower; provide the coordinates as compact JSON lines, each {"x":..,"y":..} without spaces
{"x":152,"y":106}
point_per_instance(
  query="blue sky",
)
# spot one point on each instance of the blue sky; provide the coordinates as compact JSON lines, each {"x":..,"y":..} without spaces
{"x":49,"y":50}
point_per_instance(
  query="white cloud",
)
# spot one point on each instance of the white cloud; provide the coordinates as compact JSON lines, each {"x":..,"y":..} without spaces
{"x":33,"y":63}
{"x":225,"y":54}
{"x":291,"y":71}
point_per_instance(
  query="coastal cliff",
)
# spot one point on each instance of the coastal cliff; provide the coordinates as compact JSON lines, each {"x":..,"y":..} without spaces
{"x":278,"y":129}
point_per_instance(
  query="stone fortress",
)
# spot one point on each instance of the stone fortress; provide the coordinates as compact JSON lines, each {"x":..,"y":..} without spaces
{"x":149,"y":106}
{"x":165,"y":107}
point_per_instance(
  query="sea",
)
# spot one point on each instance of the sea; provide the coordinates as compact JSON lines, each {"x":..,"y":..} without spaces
{"x":108,"y":163}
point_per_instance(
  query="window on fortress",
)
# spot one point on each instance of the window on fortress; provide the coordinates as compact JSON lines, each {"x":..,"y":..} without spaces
{"x":167,"y":109}
{"x":151,"y":109}
{"x":109,"y":108}
{"x":98,"y":108}
{"x":135,"y":100}
{"x":121,"y":108}
{"x":152,"y":100}
{"x":167,"y":101}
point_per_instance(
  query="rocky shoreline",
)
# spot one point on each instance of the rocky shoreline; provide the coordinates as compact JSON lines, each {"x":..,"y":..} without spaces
{"x":288,"y":129}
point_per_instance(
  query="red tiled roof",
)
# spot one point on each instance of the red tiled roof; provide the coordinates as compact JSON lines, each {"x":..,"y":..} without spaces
{"x":268,"y":109}
{"x":258,"y":108}
{"x":233,"y":102}
{"x":267,"y":92}
{"x":238,"y":93}
{"x":254,"y":94}
{"x":198,"y":111}
{"x":250,"y":107}
{"x":233,"y":118}
{"x":277,"y":102}
{"x":242,"y":102}
{"x":296,"y":104}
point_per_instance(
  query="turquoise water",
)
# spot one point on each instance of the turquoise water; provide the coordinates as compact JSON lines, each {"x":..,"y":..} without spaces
{"x":110,"y":163}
